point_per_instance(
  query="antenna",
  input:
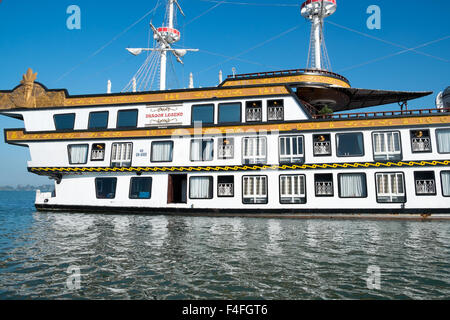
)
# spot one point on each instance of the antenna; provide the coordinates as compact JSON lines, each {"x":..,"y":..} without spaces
{"x":316,"y":11}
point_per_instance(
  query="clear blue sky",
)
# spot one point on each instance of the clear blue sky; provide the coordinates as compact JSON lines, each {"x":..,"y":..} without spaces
{"x":34,"y":34}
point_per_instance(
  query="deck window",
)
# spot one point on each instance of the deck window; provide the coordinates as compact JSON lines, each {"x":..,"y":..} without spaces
{"x":443,"y":140}
{"x":322,"y":144}
{"x":105,"y":188}
{"x":225,"y":148}
{"x":230,"y":112}
{"x":292,"y":189}
{"x":141,"y":188}
{"x":352,"y":185}
{"x":275,"y":110}
{"x":254,"y":189}
{"x":425,"y":183}
{"x":387,"y":146}
{"x":98,"y":120}
{"x":324,"y":185}
{"x":203,"y":113}
{"x":291,"y":149}
{"x":254,"y":150}
{"x":225,"y":186}
{"x":350,"y":144}
{"x":64,"y":121}
{"x":98,"y":152}
{"x":201,"y":187}
{"x":202,"y":150}
{"x":390,"y":187}
{"x":78,"y":153}
{"x":420,"y":141}
{"x":127,"y":118}
{"x":253,"y":111}
{"x":162,"y":151}
{"x":445,"y":181}
{"x":121,"y":154}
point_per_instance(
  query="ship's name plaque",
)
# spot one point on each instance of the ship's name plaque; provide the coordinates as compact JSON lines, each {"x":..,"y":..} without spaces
{"x":164,"y":115}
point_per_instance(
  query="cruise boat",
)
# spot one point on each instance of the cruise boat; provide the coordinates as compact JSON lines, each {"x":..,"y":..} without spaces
{"x":269,"y":142}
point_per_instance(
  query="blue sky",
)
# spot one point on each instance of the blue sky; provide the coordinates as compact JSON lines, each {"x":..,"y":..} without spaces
{"x":34,"y":34}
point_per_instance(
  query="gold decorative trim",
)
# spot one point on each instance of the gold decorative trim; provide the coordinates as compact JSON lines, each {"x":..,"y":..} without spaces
{"x":15,"y":136}
{"x":288,"y":79}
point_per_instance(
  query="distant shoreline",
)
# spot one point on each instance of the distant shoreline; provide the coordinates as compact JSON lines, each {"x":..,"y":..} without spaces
{"x":43,"y":188}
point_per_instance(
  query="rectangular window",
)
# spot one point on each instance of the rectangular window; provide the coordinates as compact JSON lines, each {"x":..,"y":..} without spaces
{"x":324,"y":185}
{"x":350,"y":144}
{"x":98,"y":152}
{"x":352,"y":185}
{"x":420,"y":141}
{"x":225,"y":148}
{"x":78,"y":153}
{"x":386,"y":146}
{"x":229,"y":112}
{"x":64,"y":121}
{"x":140,"y":188}
{"x":390,"y":187}
{"x":291,"y":149}
{"x":254,"y":150}
{"x":202,"y":150}
{"x":254,"y":189}
{"x":201,"y":188}
{"x":292,"y":189}
{"x":121,"y":154}
{"x":443,"y":140}
{"x":322,"y":144}
{"x":225,"y":186}
{"x":127,"y":118}
{"x":253,"y":111}
{"x":105,"y":188}
{"x":162,"y":151}
{"x":275,"y":110}
{"x":203,"y":113}
{"x":445,"y":181}
{"x":98,"y":120}
{"x":425,"y":183}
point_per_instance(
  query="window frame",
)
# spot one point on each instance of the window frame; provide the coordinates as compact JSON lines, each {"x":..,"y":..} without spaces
{"x":303,"y":148}
{"x":132,"y":150}
{"x":442,"y":185}
{"x":390,"y":173}
{"x":211,"y":188}
{"x":348,"y":173}
{"x":243,"y":150}
{"x":305,"y":186}
{"x":104,"y":153}
{"x":267,"y":189}
{"x":78,"y":144}
{"x":65,"y":114}
{"x":349,"y":156}
{"x":98,"y":112}
{"x":131,"y":186}
{"x":96,"y":189}
{"x":247,"y":103}
{"x":218,"y":195}
{"x":267,"y":109}
{"x":220,"y":143}
{"x":429,"y":135}
{"x":437,"y":140}
{"x":425,"y":194}
{"x":204,"y":105}
{"x":386,"y":154}
{"x":331,"y":145}
{"x":332,"y":186}
{"x":151,"y":151}
{"x":225,"y":104}
{"x":201,"y":139}
{"x":127,"y":127}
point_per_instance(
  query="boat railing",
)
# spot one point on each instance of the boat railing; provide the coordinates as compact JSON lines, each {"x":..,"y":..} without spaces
{"x":421,"y":144}
{"x":290,"y":72}
{"x":381,"y":113}
{"x":324,"y":188}
{"x":425,"y":187}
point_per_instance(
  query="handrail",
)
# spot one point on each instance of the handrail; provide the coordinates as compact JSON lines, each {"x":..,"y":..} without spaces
{"x":381,"y":113}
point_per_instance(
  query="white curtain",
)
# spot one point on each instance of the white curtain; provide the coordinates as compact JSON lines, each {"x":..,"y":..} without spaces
{"x":352,"y":185}
{"x":208,"y":150}
{"x":202,"y":150}
{"x":199,"y":187}
{"x":78,"y":154}
{"x":196,"y":150}
{"x":162,"y":151}
{"x":446,"y":183}
{"x":443,"y":139}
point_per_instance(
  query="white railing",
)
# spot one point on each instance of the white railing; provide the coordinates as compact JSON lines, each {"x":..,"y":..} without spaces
{"x":425,"y":187}
{"x":275,"y":113}
{"x":225,"y":190}
{"x":254,"y":114}
{"x":322,"y":148}
{"x":421,"y":144}
{"x":225,"y":151}
{"x":98,"y":155}
{"x":324,"y":188}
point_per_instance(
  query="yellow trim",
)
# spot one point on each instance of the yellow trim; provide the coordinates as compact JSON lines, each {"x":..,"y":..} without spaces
{"x":288,"y":79}
{"x":252,"y":168}
{"x":13,"y":136}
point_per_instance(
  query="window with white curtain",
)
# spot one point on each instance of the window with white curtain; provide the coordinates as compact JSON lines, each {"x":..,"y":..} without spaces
{"x":443,"y":140}
{"x":254,"y":189}
{"x":121,"y":154}
{"x":292,"y":189}
{"x":390,"y":187}
{"x":202,"y":150}
{"x":254,"y":150}
{"x":78,"y":153}
{"x":387,"y":145}
{"x":162,"y":151}
{"x":291,"y":149}
{"x":352,"y":185}
{"x":201,"y":187}
{"x":445,"y":181}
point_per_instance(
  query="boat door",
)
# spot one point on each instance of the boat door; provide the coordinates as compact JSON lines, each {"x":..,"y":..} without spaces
{"x":177,"y":190}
